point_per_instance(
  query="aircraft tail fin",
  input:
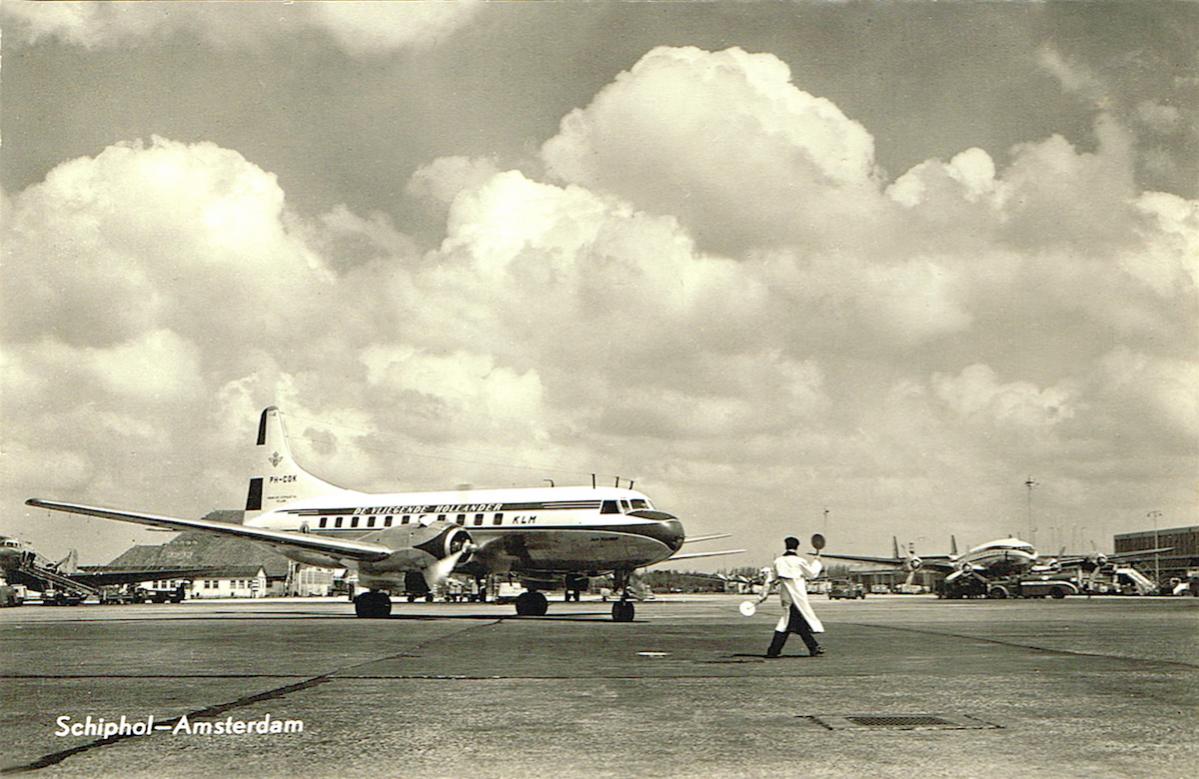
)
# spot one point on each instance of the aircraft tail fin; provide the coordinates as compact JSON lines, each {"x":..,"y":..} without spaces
{"x":70,"y":563}
{"x":953,"y":545}
{"x":277,"y":479}
{"x":895,"y":547}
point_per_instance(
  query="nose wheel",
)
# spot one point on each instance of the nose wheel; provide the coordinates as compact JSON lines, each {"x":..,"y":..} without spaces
{"x":622,"y":611}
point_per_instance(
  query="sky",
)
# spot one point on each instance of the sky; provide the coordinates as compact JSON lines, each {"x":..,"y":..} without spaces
{"x":854,"y":268}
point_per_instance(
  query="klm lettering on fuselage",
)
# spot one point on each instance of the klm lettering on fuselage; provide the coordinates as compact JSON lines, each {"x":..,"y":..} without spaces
{"x":444,"y":508}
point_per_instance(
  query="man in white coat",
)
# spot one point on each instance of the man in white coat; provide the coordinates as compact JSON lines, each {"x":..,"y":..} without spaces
{"x":791,"y":572}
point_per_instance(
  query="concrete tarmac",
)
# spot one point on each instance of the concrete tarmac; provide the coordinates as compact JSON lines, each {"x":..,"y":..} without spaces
{"x":1106,"y":687}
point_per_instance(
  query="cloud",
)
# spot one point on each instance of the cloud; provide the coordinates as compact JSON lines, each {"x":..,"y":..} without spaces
{"x":359,"y":29}
{"x":1160,"y":118}
{"x":1074,"y":76}
{"x":725,"y":142}
{"x":714,"y":291}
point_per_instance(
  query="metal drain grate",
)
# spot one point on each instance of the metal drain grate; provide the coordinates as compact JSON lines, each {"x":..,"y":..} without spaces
{"x":899,"y":722}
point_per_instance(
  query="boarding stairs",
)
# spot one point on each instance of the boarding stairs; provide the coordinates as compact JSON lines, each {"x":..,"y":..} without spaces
{"x":54,"y":578}
{"x":1144,"y":584}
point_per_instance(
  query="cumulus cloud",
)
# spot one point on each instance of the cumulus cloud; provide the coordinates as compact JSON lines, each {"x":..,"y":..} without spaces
{"x":714,"y":290}
{"x":700,"y":135}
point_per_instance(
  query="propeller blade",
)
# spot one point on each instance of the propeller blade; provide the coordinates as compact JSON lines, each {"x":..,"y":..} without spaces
{"x":436,"y":573}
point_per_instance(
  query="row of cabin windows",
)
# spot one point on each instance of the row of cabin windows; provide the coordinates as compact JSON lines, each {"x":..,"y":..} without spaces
{"x":496,"y":519}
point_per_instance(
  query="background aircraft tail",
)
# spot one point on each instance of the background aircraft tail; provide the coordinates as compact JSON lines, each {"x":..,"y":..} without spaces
{"x":68,"y":564}
{"x":276,"y":479}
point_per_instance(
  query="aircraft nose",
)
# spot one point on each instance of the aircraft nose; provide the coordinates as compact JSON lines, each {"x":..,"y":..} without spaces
{"x":674,"y":535}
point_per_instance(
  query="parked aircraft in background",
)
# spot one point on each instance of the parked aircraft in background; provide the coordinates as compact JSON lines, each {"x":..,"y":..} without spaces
{"x":64,"y":581}
{"x":412,"y":541}
{"x":1003,"y":557}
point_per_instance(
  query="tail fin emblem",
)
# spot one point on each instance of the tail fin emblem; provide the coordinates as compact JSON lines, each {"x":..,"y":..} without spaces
{"x":276,"y":459}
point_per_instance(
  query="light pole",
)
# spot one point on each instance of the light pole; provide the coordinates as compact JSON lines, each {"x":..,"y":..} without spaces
{"x":1032,"y":531}
{"x":1157,"y":574}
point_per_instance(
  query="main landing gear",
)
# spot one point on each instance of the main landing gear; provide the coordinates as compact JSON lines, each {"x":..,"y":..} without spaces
{"x":622,"y":610}
{"x":374,"y":604}
{"x":531,"y":604}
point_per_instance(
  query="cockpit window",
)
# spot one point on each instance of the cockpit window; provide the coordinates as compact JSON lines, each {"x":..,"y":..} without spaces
{"x":624,"y":505}
{"x":609,"y":507}
{"x":639,"y":503}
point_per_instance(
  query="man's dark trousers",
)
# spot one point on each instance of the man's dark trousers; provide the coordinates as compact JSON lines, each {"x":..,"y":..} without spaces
{"x":795,"y":624}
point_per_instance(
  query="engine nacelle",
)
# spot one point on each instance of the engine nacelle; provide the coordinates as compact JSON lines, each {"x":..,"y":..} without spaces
{"x":914,"y":563}
{"x":417,"y":548}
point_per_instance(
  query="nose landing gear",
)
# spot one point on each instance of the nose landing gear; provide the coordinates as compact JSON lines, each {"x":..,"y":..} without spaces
{"x":622,"y":610}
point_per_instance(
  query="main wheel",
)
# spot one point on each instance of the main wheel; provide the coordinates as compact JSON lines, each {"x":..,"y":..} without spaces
{"x":375,"y":604}
{"x":622,"y":611}
{"x":1058,"y":593}
{"x":531,"y":604}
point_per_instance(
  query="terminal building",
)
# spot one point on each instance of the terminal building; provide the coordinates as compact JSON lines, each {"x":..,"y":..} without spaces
{"x":1180,"y":563}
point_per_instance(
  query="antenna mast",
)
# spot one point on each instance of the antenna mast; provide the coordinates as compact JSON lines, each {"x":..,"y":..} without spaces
{"x":1032,"y":531}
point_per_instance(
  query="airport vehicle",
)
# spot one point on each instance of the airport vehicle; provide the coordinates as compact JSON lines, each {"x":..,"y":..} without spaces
{"x":11,"y":596}
{"x":970,"y":573}
{"x":120,"y":596}
{"x":409,"y":542}
{"x":1042,"y":586}
{"x":844,"y":588}
{"x":64,"y":582}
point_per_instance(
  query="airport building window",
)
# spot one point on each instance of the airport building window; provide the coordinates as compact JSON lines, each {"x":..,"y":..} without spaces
{"x":609,"y":507}
{"x":387,"y":521}
{"x":497,"y":519}
{"x":337,"y":522}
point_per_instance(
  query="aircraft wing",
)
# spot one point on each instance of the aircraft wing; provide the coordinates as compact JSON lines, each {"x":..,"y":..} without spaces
{"x":709,"y":537}
{"x":1140,"y":554}
{"x":354,"y":550}
{"x":898,"y":563}
{"x":694,"y":555}
{"x":932,"y":562}
{"x":114,"y":576}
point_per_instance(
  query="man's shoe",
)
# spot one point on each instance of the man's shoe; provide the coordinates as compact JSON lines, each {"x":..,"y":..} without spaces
{"x":772,"y":657}
{"x":817,"y":652}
